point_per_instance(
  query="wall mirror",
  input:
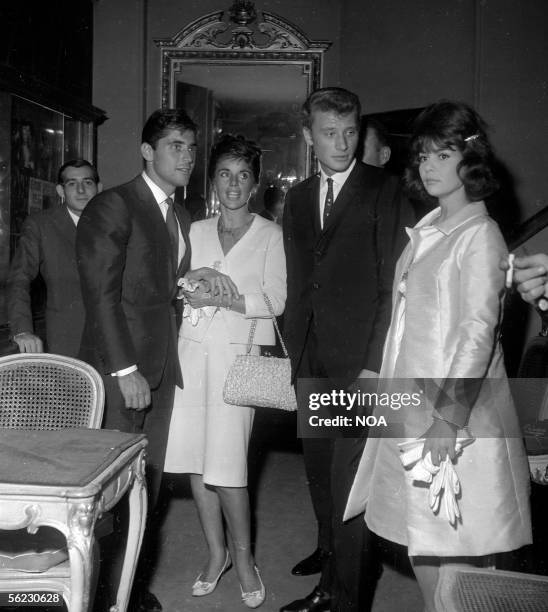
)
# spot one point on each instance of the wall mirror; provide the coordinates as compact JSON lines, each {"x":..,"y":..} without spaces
{"x":247,"y":72}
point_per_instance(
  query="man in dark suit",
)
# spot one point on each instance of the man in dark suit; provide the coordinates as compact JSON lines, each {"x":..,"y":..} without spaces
{"x":133,"y":246}
{"x":343,"y":231}
{"x":46,"y":248}
{"x":273,"y":200}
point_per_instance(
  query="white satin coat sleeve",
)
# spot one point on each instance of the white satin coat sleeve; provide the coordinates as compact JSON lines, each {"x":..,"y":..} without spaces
{"x":479,"y":298}
{"x":479,"y":301}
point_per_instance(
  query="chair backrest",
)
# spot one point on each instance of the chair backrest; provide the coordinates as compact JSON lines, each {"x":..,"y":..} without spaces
{"x":45,"y":391}
{"x":467,"y":589}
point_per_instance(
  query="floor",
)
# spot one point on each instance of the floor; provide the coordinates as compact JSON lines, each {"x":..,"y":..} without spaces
{"x":284,"y":533}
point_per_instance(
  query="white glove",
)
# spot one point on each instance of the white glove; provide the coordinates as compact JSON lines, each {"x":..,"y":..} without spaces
{"x":451,"y":487}
{"x":443,"y":479}
{"x":436,"y":487}
{"x":424,"y":470}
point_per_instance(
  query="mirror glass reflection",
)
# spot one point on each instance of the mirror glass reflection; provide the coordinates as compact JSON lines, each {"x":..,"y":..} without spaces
{"x":261,"y":102}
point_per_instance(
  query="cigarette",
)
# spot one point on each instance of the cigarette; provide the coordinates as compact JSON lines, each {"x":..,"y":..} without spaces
{"x":542,"y":304}
{"x":510,"y":271}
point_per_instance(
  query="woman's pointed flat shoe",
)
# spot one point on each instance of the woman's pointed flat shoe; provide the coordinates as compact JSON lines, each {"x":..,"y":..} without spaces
{"x":201,"y":587}
{"x":254,"y":599}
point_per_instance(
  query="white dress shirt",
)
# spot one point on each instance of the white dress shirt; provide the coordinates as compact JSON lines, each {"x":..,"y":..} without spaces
{"x":161,"y":198}
{"x":339,"y":179}
{"x":74,"y":217}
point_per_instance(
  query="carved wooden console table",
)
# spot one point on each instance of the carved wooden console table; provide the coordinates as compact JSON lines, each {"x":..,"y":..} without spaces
{"x":66,"y":479}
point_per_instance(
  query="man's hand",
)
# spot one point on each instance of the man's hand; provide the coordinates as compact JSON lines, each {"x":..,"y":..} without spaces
{"x":440,"y":439}
{"x":28,"y":343}
{"x":219,"y":284}
{"x":135,"y":390}
{"x":200,"y":298}
{"x":530,"y":276}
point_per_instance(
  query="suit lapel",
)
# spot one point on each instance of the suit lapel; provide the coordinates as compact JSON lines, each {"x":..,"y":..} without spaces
{"x":184,"y":227}
{"x":306,"y":210}
{"x":157,"y":224}
{"x":349,"y":192}
{"x":65,"y":226}
{"x":315,"y":196}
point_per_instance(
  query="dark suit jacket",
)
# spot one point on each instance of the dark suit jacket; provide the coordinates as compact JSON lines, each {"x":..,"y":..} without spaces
{"x":342,"y":276}
{"x":47,"y":248}
{"x":128,"y":281}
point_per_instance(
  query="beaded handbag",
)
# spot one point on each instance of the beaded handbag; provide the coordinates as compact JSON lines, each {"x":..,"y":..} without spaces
{"x":254,"y":380}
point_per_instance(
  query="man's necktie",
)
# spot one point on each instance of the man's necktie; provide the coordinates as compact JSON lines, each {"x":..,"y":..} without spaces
{"x":173,"y":231}
{"x":328,"y":201}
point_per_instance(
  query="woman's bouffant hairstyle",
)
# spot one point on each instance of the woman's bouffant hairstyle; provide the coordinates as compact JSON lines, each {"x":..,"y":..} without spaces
{"x":456,"y":126}
{"x":235,"y":147}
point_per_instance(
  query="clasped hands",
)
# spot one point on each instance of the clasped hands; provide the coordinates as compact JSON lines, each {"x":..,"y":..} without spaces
{"x":211,"y":288}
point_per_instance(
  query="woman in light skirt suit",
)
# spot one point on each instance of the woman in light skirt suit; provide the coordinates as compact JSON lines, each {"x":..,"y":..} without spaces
{"x":209,"y":439}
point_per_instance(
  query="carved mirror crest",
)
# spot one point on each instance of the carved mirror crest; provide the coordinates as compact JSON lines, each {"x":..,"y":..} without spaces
{"x":247,"y":72}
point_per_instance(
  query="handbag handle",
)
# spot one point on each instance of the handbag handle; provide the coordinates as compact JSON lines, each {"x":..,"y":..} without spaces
{"x":254,"y":326}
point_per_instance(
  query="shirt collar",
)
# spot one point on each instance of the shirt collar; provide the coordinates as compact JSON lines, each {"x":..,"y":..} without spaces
{"x":338,"y":177}
{"x":470,"y":211}
{"x":74,"y":217}
{"x":159,"y":195}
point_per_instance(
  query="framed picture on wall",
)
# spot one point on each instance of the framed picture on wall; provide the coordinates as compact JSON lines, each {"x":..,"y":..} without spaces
{"x":36,"y":154}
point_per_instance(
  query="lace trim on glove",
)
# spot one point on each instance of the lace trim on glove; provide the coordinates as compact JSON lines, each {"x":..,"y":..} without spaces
{"x":193,"y":314}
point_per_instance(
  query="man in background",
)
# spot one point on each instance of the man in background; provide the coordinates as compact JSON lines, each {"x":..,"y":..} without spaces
{"x":273,"y":204}
{"x":376,"y":143}
{"x":46,"y":248}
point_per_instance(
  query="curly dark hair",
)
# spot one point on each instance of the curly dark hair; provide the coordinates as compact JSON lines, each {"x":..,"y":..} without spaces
{"x":457,"y":126}
{"x":235,"y":147}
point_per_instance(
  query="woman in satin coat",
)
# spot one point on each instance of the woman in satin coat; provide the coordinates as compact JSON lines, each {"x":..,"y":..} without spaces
{"x":447,"y":306}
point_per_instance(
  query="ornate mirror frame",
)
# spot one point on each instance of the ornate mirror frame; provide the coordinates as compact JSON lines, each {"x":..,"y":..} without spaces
{"x":248,"y":40}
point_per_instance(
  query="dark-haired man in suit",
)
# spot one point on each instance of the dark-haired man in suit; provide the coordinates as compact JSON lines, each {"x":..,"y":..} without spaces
{"x":132,"y":247}
{"x":46,"y":248}
{"x":343,"y":231}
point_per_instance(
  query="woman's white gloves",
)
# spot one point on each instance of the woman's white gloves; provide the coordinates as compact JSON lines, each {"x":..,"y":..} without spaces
{"x":443,"y":480}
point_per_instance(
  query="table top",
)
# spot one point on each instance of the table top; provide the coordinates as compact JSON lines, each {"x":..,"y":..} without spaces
{"x":60,"y":458}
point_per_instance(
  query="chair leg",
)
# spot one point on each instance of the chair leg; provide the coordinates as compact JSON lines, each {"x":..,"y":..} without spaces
{"x":94,"y":578}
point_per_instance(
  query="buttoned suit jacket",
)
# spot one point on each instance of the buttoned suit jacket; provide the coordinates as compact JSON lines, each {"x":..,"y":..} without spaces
{"x":341,"y":276}
{"x":47,"y":248}
{"x":129,"y":282}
